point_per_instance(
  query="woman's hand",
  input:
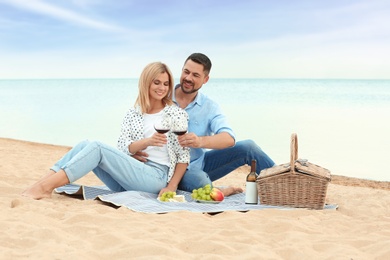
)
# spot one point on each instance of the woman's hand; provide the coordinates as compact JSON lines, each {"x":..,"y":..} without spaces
{"x":165,"y":190}
{"x":157,"y":139}
{"x":136,"y":148}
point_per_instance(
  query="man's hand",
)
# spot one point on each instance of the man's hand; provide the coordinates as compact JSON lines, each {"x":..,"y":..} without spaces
{"x":190,"y":140}
{"x":140,"y":156}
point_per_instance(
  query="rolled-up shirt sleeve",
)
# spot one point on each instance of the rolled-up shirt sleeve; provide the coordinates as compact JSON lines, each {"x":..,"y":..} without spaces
{"x":206,"y":118}
{"x":219,"y":123}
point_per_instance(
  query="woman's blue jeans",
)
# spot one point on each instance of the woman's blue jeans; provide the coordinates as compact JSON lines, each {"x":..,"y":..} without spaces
{"x":218,"y":163}
{"x":118,"y":171}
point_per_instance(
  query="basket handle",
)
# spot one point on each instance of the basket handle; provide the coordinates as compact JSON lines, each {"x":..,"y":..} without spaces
{"x":294,"y":151}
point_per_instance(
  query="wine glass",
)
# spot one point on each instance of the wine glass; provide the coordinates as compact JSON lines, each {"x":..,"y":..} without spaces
{"x":164,"y":125}
{"x":179,"y":127}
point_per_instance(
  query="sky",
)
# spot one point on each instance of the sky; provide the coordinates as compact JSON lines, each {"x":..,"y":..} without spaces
{"x":244,"y":39}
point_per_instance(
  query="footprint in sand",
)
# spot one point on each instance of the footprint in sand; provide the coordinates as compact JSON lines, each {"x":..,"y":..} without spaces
{"x":16,"y":203}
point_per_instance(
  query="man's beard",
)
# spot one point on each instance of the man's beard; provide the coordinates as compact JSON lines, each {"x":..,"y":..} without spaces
{"x":188,"y":92}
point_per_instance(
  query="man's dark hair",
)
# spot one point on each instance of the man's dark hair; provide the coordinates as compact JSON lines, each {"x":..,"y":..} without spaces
{"x":201,"y":59}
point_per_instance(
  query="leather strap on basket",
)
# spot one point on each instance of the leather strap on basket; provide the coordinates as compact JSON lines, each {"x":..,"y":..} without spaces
{"x":294,"y":151}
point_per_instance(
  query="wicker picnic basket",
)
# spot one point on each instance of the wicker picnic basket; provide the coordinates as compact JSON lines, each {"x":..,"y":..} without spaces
{"x":298,"y":184}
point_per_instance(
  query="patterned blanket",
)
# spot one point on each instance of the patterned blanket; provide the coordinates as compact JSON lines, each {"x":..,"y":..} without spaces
{"x":147,"y":202}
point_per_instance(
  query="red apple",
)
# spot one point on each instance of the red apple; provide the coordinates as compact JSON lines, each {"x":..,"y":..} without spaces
{"x":216,"y":194}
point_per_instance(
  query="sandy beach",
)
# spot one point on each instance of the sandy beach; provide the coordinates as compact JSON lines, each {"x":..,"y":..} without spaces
{"x":68,"y":228}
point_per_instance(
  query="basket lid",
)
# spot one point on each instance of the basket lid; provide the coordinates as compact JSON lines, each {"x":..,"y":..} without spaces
{"x":275,"y":170}
{"x":301,"y":166}
{"x":296,"y":166}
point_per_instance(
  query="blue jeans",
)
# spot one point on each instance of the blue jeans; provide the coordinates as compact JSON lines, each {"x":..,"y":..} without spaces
{"x":118,"y":171}
{"x":218,"y":163}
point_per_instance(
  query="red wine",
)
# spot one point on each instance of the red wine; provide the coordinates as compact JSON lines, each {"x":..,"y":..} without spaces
{"x":180,"y":132}
{"x":162,"y":131}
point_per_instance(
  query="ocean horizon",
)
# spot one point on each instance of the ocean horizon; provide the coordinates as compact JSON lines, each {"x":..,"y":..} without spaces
{"x":342,"y":124}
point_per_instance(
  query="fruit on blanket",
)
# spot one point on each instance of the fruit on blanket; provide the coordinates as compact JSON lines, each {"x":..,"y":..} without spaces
{"x":216,"y":194}
{"x":207,"y":193}
{"x":167,"y":195}
{"x":202,"y":193}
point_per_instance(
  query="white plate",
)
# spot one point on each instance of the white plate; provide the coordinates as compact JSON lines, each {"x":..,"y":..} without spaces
{"x":176,"y":198}
{"x":208,"y":201}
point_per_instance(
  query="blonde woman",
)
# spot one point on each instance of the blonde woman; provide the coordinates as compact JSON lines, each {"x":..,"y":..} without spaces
{"x":116,"y":168}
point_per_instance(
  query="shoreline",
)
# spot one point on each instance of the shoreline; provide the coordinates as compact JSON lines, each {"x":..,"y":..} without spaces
{"x":336,"y":178}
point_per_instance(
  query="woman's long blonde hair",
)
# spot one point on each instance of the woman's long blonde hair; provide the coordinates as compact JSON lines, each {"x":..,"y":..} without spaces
{"x":150,"y":73}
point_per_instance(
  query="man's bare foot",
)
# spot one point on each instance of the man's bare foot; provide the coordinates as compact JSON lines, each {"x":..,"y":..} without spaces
{"x":231,"y":190}
{"x":36,"y":192}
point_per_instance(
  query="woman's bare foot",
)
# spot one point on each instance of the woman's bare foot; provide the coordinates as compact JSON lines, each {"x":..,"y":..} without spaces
{"x":44,"y":187}
{"x":43,"y":178}
{"x":37,"y":192}
{"x":231,"y":190}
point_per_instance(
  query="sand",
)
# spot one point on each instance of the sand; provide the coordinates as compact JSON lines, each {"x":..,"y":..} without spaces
{"x":67,"y":228}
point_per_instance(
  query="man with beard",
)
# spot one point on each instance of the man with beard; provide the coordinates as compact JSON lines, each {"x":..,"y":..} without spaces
{"x":214,"y":151}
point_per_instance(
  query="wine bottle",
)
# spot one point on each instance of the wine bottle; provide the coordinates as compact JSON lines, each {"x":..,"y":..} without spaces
{"x":251,"y":195}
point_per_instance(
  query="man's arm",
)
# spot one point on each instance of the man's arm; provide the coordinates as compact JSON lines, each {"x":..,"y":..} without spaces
{"x":217,"y":141}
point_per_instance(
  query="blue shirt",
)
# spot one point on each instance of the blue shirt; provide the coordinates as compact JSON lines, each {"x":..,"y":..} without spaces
{"x":205,"y":119}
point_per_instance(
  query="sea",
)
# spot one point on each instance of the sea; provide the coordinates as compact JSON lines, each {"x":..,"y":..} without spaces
{"x":342,"y":125}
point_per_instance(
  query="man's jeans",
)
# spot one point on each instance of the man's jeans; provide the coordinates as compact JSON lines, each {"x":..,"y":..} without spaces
{"x":219,"y":163}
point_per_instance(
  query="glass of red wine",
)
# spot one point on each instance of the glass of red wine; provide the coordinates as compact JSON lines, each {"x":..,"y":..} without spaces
{"x":164,"y":125}
{"x":179,"y":127}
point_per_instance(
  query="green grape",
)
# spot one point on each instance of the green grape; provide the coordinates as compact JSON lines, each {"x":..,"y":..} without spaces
{"x":202,"y":193}
{"x":167,"y":195}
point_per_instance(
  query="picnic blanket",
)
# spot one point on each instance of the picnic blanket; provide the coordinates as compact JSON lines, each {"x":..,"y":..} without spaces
{"x":147,"y":202}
